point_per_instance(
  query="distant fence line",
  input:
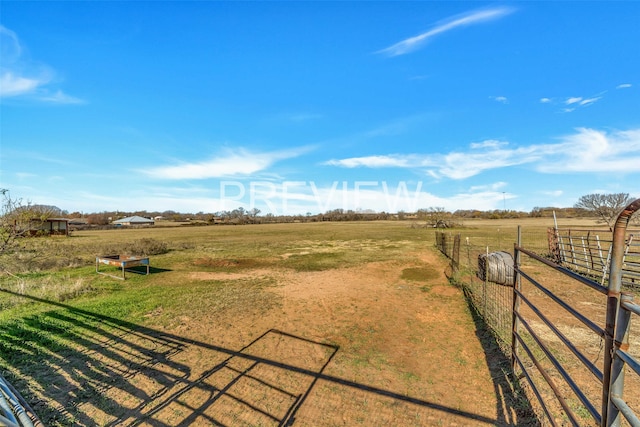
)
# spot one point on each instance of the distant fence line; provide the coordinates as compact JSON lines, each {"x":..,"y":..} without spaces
{"x":588,"y":252}
{"x":491,"y":300}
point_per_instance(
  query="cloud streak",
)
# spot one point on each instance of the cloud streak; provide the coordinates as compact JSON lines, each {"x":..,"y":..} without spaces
{"x":501,"y":99}
{"x":414,"y":43}
{"x":572,"y":103}
{"x":15,"y":85}
{"x":60,"y":97}
{"x":241,"y":162}
{"x":384,"y":161}
{"x":591,"y":150}
{"x":20,"y":77}
{"x":585,"y":151}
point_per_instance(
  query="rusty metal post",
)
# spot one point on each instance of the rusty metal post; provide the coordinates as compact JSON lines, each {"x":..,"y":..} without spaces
{"x":613,"y":301}
{"x":554,"y":246}
{"x":617,"y":368}
{"x":456,"y":252}
{"x":517,"y":287}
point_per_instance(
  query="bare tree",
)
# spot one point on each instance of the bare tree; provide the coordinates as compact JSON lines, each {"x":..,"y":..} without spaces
{"x":436,"y":217}
{"x":8,"y":230}
{"x":18,"y":219}
{"x":606,"y":207}
{"x":254,"y":212}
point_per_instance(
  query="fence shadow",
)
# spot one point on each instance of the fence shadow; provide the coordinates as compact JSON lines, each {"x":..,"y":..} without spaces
{"x":77,"y":367}
{"x":513,"y":407}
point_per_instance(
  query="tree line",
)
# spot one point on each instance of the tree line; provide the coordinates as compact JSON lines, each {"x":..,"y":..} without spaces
{"x":605,"y":207}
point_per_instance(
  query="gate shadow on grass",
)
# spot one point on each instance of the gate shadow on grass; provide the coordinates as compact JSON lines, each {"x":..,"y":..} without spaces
{"x":82,"y":368}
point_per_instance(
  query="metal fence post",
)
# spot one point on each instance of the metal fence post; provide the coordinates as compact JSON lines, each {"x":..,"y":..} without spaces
{"x":456,"y":252}
{"x":617,"y":368}
{"x":517,"y":284}
{"x":613,"y":303}
{"x":553,"y":243}
{"x":484,"y":284}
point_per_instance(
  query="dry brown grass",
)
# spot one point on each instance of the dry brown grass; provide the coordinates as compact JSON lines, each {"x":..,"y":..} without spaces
{"x":154,"y":347}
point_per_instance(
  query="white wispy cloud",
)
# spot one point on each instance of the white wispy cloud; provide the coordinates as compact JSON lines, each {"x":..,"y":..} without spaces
{"x":14,"y":80}
{"x":501,"y":99}
{"x":591,"y":150}
{"x":413,"y":43}
{"x":20,"y":76}
{"x":552,"y":193}
{"x":578,"y":100}
{"x":586,"y":150}
{"x":14,"y":85}
{"x":461,"y":165}
{"x":488,"y":187}
{"x":589,"y":101}
{"x":239,"y":162}
{"x":489,"y":143}
{"x":573,"y":103}
{"x":60,"y":97}
{"x":390,"y":160}
{"x":456,"y":165}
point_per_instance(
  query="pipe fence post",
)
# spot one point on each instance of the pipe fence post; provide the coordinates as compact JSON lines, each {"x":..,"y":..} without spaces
{"x":613,"y":303}
{"x":617,"y":368}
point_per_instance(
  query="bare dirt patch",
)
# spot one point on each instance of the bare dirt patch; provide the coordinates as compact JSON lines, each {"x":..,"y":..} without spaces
{"x":223,"y":275}
{"x":367,"y":345}
{"x":372,"y":346}
{"x":232,"y":263}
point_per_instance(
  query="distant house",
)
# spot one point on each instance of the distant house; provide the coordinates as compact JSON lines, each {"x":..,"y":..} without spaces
{"x":133,"y":220}
{"x":49,"y":226}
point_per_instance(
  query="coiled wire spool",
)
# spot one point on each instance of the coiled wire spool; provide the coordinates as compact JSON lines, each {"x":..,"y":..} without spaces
{"x":496,"y":267}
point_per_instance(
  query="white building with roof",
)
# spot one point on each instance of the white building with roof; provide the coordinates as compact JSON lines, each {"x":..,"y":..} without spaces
{"x":134,"y":220}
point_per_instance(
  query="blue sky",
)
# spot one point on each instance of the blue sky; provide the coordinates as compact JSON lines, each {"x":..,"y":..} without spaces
{"x":295,"y":107}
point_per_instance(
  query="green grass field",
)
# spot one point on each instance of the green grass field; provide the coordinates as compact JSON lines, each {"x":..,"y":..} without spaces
{"x":63,"y":269}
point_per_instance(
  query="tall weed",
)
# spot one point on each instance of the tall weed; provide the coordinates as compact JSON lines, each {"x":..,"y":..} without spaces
{"x":50,"y":287}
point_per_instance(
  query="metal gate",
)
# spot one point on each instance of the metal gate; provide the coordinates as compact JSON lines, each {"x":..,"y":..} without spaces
{"x":528,"y":347}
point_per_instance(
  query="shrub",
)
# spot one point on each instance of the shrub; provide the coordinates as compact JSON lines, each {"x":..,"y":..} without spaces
{"x":146,"y":247}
